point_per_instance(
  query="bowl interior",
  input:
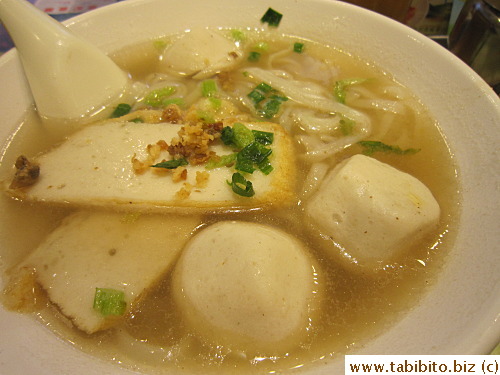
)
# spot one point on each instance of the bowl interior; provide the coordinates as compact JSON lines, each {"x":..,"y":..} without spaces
{"x":458,"y":314}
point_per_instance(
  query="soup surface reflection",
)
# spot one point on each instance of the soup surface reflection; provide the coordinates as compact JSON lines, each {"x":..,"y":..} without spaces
{"x":354,"y":303}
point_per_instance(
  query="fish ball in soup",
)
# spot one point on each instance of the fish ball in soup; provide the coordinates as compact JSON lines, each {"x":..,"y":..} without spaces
{"x":373,"y":209}
{"x":246,"y":284}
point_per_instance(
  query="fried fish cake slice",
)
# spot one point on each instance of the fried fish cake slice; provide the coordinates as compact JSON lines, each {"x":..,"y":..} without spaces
{"x":95,"y":167}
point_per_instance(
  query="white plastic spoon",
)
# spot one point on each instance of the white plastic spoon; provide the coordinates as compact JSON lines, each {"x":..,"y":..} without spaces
{"x":69,"y":77}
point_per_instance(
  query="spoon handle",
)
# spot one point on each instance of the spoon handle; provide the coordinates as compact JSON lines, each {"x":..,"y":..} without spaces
{"x":69,"y":77}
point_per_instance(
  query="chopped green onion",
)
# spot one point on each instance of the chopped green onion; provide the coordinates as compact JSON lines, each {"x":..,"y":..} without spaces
{"x":298,"y":47}
{"x":264,"y":87}
{"x":261,"y":46}
{"x":346,"y":125}
{"x":178,"y":101}
{"x":254,"y":152}
{"x":243,"y":164}
{"x":272,"y":18}
{"x":216,"y":103}
{"x":265,"y":166}
{"x":241,"y":185}
{"x":171,"y":164}
{"x":206,"y":117}
{"x":238,"y":35}
{"x":272,"y":105}
{"x":221,"y":161}
{"x":137,"y":120}
{"x":242,"y":136}
{"x":227,"y":135}
{"x":254,"y":56}
{"x":157,"y":98}
{"x":339,"y":89}
{"x":264,"y":138}
{"x":208,"y":88}
{"x":109,"y":301}
{"x":160,"y":44}
{"x":251,"y":145}
{"x":256,"y":96}
{"x":121,"y":110}
{"x":370,"y":147}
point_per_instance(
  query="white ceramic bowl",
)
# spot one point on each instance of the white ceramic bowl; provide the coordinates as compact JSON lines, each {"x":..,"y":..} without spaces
{"x":459,"y":315}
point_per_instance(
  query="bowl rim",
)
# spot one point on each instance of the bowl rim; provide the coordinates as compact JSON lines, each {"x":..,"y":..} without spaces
{"x":488,"y":333}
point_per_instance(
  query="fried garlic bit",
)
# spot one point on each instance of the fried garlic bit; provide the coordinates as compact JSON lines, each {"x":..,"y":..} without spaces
{"x":153,"y":153}
{"x":202,"y":179}
{"x":172,"y":114}
{"x":179,"y":174}
{"x":185,"y":191}
{"x":27,"y":173}
{"x":193,"y":142}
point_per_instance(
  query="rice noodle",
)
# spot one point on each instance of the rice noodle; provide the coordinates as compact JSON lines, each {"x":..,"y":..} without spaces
{"x":315,"y":97}
{"x":312,"y":122}
{"x":274,"y":58}
{"x":396,"y":92}
{"x":384,"y":125}
{"x":314,"y":177}
{"x":321,"y":151}
{"x":380,"y":104}
{"x":302,"y":65}
{"x":310,"y":95}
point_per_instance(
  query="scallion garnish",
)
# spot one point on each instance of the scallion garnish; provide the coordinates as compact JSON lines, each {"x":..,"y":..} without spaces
{"x":177,"y":101}
{"x":265,"y":166}
{"x":298,"y":47}
{"x":160,"y":45}
{"x":239,"y":136}
{"x":261,"y":46}
{"x":238,"y":35}
{"x":370,"y":147}
{"x":272,"y":18}
{"x":339,"y":90}
{"x":241,"y":186}
{"x":121,"y":110}
{"x":158,"y":97}
{"x":208,"y":88}
{"x":206,"y":117}
{"x":264,"y":87}
{"x":216,"y":103}
{"x":171,"y":164}
{"x":252,"y":154}
{"x":227,"y":135}
{"x":272,"y":106}
{"x":346,"y":125}
{"x":254,"y":56}
{"x":264,"y":138}
{"x":109,"y":301}
{"x":221,"y":161}
{"x":244,"y":164}
{"x":266,"y":100}
{"x":256,"y":96}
